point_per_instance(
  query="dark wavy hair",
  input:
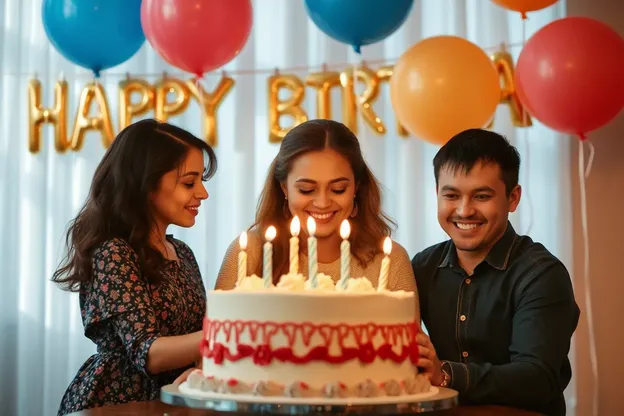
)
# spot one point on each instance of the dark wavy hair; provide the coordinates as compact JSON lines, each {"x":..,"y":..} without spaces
{"x":370,"y":225}
{"x":118,"y":205}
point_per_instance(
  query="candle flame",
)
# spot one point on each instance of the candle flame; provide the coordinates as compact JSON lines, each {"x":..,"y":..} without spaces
{"x":242,"y":240}
{"x":387,"y":246}
{"x":311,"y":226}
{"x":345,"y":229}
{"x":270,"y":234}
{"x":295,"y":226}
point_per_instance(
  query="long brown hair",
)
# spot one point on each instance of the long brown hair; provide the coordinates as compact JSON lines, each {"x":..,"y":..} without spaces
{"x":370,"y":224}
{"x":118,"y":205}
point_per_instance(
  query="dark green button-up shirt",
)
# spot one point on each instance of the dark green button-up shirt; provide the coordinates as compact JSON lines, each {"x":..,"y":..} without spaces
{"x":505,"y":329}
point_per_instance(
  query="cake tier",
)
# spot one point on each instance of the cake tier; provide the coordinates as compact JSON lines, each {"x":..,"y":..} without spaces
{"x":311,"y":343}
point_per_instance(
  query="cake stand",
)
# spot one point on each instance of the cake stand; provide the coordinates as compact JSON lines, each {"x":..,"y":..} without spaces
{"x":438,"y":398}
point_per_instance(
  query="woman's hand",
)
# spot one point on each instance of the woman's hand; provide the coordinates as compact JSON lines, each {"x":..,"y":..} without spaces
{"x":428,"y":359}
{"x":182,"y":378}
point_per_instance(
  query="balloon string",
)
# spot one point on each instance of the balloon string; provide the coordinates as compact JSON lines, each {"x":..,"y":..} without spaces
{"x":590,"y":161}
{"x":583,"y":172}
{"x":527,"y":148}
{"x":200,"y":95}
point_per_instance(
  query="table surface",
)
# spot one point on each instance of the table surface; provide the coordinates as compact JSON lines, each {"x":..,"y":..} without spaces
{"x":156,"y":407}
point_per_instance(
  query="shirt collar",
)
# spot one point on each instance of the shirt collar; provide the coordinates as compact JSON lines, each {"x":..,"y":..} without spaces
{"x":498,"y":257}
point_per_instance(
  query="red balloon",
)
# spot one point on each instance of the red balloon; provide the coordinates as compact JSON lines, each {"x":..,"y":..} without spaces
{"x":197,"y":36}
{"x":569,"y":75}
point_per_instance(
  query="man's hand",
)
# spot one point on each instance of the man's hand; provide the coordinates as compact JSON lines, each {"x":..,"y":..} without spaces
{"x":428,"y":359}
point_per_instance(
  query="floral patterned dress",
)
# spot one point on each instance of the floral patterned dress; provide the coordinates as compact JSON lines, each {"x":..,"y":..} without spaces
{"x":123,"y":315}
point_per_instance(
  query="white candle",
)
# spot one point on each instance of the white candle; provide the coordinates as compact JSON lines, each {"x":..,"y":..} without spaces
{"x":385,"y":265}
{"x":345,"y":254}
{"x":242,"y":258}
{"x":312,"y":255}
{"x":295,"y":227}
{"x":267,"y":269}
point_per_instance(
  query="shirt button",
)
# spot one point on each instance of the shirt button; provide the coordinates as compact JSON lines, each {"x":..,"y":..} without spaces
{"x":465,"y":354}
{"x":462,"y":318}
{"x":468,"y":281}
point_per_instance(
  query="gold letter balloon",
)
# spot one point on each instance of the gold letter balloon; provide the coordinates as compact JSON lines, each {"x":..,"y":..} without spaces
{"x":92,"y":92}
{"x":460,"y":87}
{"x":38,"y":116}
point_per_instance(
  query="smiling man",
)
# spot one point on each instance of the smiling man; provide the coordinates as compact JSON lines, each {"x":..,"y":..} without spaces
{"x":499,"y":307}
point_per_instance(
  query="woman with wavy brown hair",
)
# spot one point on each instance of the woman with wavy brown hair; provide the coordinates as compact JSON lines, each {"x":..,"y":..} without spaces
{"x":320,"y":172}
{"x":141,"y":294}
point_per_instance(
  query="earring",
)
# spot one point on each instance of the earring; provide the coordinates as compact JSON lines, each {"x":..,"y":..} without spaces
{"x":354,"y":212}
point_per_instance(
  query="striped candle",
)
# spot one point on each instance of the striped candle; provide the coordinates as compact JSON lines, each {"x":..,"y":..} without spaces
{"x":312,"y":255}
{"x":267,"y":269}
{"x":385,"y":265}
{"x":295,"y":227}
{"x":345,"y":254}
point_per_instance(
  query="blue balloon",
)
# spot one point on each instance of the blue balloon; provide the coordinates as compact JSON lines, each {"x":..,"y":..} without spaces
{"x":358,"y":22}
{"x":95,"y":34}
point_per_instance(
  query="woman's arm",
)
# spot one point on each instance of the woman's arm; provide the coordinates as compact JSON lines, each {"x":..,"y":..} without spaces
{"x":169,"y":353}
{"x":120,"y":297}
{"x":228,"y":274}
{"x":402,"y":275}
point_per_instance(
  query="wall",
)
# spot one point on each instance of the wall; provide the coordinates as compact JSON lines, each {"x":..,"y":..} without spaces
{"x":606,"y":230}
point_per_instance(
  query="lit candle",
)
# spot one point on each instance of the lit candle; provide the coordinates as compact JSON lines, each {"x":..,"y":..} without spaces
{"x":242,"y":258}
{"x":312,"y":256}
{"x":267,"y":270}
{"x":345,"y":254}
{"x":295,"y":226}
{"x":385,"y":265}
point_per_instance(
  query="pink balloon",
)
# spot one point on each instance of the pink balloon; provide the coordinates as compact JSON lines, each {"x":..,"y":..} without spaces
{"x":197,"y":36}
{"x":569,"y":75}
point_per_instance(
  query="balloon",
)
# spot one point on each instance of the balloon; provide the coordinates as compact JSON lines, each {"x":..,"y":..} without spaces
{"x":358,"y":22}
{"x":443,"y":85}
{"x":290,"y":106}
{"x":503,"y":62}
{"x":210,"y":102}
{"x":353,"y":102}
{"x":95,"y":34}
{"x":524,"y":6}
{"x":323,"y":82}
{"x":56,"y":115}
{"x":164,"y":89}
{"x":85,"y":122}
{"x":569,"y":75}
{"x":197,"y":36}
{"x":128,"y":109}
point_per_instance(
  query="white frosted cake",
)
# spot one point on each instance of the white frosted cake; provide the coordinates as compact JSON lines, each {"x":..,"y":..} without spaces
{"x":295,"y":341}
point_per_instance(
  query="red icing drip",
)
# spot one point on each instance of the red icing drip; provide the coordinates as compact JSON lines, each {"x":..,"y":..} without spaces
{"x":232,"y":382}
{"x":354,"y":342}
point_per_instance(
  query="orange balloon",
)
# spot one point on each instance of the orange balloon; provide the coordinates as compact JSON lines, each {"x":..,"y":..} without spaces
{"x":524,"y":6}
{"x":444,"y":85}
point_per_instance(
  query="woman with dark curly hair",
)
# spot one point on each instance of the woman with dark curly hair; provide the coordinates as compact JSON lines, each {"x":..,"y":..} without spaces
{"x":141,"y":293}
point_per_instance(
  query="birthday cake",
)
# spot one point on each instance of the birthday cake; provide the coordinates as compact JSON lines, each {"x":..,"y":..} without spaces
{"x":300,"y":340}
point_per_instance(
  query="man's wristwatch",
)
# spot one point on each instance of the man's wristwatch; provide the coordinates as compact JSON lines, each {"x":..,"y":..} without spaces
{"x":446,"y":372}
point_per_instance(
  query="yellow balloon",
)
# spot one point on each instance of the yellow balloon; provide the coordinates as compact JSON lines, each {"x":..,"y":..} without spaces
{"x":443,"y":85}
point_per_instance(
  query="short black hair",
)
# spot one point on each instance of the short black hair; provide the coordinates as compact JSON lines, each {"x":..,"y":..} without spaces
{"x":473,"y":146}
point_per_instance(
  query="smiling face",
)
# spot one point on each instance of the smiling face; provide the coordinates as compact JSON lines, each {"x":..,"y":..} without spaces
{"x":473,"y":207}
{"x":321,"y":185}
{"x":180,"y":193}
